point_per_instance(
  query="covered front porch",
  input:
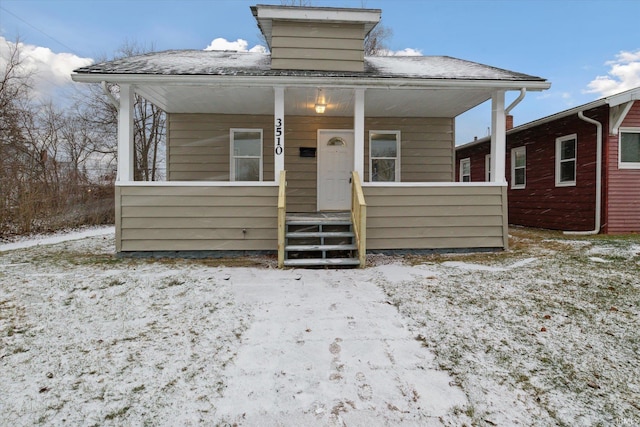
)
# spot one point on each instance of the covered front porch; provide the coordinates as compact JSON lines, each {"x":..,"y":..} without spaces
{"x":407,"y":198}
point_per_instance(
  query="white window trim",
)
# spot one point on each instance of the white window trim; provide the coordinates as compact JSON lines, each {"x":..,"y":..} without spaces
{"x":397,"y":158}
{"x":463,"y":162}
{"x":487,"y":168}
{"x":514,"y":151}
{"x":559,"y":142}
{"x":621,"y":164}
{"x":232,"y":168}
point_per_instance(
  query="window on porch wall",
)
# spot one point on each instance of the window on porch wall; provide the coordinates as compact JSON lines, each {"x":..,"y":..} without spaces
{"x":246,"y":154}
{"x":384,"y":156}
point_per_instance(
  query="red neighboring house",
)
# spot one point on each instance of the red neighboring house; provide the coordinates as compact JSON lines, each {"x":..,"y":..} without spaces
{"x":552,"y":165}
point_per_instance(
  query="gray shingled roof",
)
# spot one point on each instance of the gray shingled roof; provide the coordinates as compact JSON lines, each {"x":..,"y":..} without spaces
{"x":199,"y":62}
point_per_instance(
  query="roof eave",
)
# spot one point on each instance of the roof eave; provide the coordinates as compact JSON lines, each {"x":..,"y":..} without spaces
{"x":611,"y":100}
{"x":382,"y":81}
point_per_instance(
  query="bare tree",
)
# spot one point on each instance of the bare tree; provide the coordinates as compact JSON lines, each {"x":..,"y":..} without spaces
{"x":15,"y":88}
{"x":149,"y":123}
{"x":43,"y":157}
{"x":376,"y":42}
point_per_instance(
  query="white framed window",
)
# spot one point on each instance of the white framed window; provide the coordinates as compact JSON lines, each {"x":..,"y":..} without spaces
{"x":465,"y":170}
{"x":519,"y":167}
{"x":384,"y":155}
{"x":246,"y":154}
{"x":629,"y":148}
{"x":566,"y":156}
{"x":487,"y":168}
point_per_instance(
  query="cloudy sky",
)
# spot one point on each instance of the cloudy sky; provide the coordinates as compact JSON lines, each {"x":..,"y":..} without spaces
{"x":586,"y":48}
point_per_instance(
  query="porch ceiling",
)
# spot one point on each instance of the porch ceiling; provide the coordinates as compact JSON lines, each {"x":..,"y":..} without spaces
{"x":379,"y":102}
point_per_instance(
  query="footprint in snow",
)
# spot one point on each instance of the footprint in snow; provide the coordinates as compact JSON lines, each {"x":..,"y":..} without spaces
{"x":365,"y":392}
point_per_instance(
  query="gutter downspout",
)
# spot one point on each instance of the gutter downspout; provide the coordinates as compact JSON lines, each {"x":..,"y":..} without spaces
{"x":112,"y":98}
{"x":596,"y":230}
{"x":523,"y":92}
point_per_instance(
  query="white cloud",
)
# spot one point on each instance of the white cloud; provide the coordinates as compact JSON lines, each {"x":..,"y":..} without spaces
{"x":51,"y":71}
{"x":404,"y":52}
{"x":624,"y":74}
{"x":239,"y":45}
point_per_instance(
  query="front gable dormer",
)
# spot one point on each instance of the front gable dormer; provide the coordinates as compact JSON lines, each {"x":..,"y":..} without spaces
{"x":316,"y":38}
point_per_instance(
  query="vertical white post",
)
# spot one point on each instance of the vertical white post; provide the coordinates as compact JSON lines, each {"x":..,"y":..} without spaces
{"x":498,"y":138}
{"x":358,"y":132}
{"x":278,"y":132}
{"x":125,"y":134}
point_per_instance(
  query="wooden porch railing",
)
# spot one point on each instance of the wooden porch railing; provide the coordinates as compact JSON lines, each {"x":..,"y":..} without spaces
{"x":359,"y":217}
{"x":282,"y":216}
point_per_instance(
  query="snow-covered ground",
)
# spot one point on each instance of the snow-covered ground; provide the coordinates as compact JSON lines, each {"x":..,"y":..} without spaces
{"x":546,"y":334}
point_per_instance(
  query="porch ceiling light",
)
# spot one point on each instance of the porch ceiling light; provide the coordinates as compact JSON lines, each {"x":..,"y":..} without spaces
{"x":321,"y":103}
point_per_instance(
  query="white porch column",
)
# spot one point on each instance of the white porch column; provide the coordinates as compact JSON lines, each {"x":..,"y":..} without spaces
{"x":498,"y":137}
{"x":358,"y":133}
{"x":125,"y":134}
{"x":278,"y":129}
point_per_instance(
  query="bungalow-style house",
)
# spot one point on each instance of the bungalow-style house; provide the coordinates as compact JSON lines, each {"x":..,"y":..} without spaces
{"x":577,"y":170}
{"x":274,"y":152}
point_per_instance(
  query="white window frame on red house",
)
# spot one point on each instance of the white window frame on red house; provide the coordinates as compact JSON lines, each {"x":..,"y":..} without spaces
{"x":560,"y":161}
{"x":487,"y":168}
{"x":627,"y":164}
{"x":514,"y":154}
{"x":465,"y":163}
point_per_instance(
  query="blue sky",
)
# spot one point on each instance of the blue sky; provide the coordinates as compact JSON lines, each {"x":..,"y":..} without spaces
{"x":585,"y":48}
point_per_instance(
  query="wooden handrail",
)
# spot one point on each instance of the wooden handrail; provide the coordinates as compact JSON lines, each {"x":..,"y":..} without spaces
{"x":359,"y":217}
{"x":282,"y":216}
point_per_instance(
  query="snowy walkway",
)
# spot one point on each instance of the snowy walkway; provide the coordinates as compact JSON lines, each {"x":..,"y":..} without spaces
{"x":325,"y":348}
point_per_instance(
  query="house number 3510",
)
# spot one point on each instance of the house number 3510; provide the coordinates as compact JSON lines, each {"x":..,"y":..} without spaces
{"x":278,"y":136}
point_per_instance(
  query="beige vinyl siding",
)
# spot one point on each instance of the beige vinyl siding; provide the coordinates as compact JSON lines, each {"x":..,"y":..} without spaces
{"x":436,"y":217}
{"x":198,"y":145}
{"x":427,"y":147}
{"x":198,"y":149}
{"x":317,"y":46}
{"x":199,"y":218}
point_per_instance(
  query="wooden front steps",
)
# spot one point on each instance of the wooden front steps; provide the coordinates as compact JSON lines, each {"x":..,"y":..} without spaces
{"x":320,"y":239}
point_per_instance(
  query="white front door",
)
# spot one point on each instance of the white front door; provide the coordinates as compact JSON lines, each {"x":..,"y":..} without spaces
{"x":335,"y":163}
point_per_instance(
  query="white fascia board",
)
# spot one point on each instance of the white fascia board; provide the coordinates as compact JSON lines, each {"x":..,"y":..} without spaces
{"x":302,"y":81}
{"x":327,"y":14}
{"x":623,"y":97}
{"x":540,"y":121}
